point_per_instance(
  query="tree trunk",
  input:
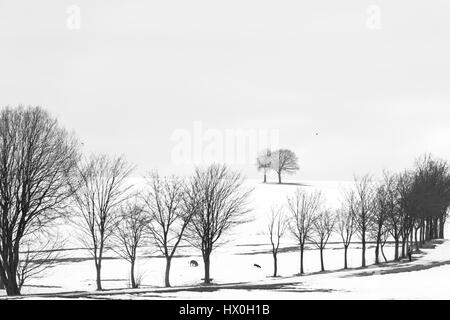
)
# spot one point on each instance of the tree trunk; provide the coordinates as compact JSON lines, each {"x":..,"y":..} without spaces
{"x":363,"y":238}
{"x":403,"y":247}
{"x":132,"y":279}
{"x":12,"y":289}
{"x":322,"y":268}
{"x":396,"y":248}
{"x":98,"y":267}
{"x":441,"y":227}
{"x":430,"y":227}
{"x":301,"y":259}
{"x":279,"y":177}
{"x":421,"y":238}
{"x":415,"y":240}
{"x":275,"y":264}
{"x":435,"y":228}
{"x":377,"y":252}
{"x":265,"y":178}
{"x":8,"y":279}
{"x":421,"y":232}
{"x":98,"y":262}
{"x":382,"y":253}
{"x":206,"y":260}
{"x":345,"y":257}
{"x":167,"y":275}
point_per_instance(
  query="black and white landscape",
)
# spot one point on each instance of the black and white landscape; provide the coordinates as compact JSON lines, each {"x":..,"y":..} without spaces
{"x":205,"y":149}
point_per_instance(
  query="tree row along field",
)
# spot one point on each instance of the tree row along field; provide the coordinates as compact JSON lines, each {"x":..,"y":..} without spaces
{"x":46,"y":183}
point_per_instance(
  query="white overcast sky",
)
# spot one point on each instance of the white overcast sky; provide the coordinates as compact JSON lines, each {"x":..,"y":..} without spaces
{"x":136,"y":71}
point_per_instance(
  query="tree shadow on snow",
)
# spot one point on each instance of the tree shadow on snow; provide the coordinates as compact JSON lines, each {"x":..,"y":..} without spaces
{"x":404,"y":265}
{"x":287,"y":287}
{"x":40,"y":286}
{"x":400,"y":269}
{"x":287,"y":184}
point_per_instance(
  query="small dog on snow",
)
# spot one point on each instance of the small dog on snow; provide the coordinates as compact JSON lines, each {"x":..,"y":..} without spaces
{"x":193,"y":263}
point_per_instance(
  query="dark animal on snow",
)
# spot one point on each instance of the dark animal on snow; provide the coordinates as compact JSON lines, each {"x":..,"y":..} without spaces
{"x":193,"y":263}
{"x":257,"y":265}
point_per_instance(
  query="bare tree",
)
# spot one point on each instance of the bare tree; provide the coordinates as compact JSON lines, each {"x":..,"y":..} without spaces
{"x":303,"y":207}
{"x":428,"y":196}
{"x":384,"y":238}
{"x":345,"y":224}
{"x":395,"y":221}
{"x":362,"y":209}
{"x":220,"y":200}
{"x":323,"y":228}
{"x":276,"y":229}
{"x":37,"y":162}
{"x":100,"y":191}
{"x":170,"y":210}
{"x":384,"y":194}
{"x":284,"y":161}
{"x":264,"y":162}
{"x":405,"y":208}
{"x":129,"y":233}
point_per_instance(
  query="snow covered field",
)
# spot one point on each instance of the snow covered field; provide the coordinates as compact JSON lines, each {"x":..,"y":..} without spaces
{"x":235,"y":277}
